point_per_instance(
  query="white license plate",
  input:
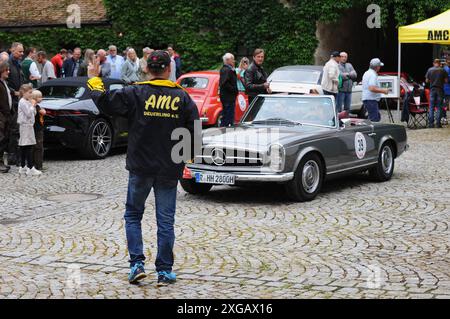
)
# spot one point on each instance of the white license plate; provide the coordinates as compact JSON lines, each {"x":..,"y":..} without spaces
{"x":214,"y":178}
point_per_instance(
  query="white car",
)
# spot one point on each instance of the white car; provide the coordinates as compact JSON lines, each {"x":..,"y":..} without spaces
{"x":307,"y":79}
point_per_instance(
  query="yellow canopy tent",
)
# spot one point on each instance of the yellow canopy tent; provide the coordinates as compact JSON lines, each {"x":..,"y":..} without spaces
{"x":435,"y":30}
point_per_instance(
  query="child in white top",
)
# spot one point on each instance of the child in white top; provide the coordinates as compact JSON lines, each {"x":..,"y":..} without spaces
{"x":25,"y":119}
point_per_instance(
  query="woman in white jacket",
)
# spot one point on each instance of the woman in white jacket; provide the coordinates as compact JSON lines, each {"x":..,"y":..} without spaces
{"x":27,"y":140}
{"x":131,"y":69}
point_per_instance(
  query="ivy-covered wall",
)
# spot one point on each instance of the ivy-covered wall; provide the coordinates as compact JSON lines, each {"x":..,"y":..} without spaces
{"x":202,"y":30}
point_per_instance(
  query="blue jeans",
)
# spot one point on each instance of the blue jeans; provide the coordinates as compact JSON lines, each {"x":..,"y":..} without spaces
{"x":436,"y":99}
{"x":139,"y":188}
{"x":373,"y":110}
{"x":228,"y":112}
{"x":344,"y":99}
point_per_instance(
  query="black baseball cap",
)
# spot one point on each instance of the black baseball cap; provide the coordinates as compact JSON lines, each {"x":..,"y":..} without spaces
{"x":335,"y":54}
{"x":158,"y":60}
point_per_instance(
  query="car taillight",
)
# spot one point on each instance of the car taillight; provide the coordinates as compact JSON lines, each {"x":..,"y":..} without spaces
{"x":50,"y":112}
{"x":63,"y":113}
{"x":69,"y":112}
{"x":187,"y":174}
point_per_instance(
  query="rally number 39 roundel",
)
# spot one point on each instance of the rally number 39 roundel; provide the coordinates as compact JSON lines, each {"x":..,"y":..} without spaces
{"x":360,"y":145}
{"x":242,"y":102}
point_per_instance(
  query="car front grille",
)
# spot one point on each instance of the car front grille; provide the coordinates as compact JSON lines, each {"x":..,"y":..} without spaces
{"x":230,"y":157}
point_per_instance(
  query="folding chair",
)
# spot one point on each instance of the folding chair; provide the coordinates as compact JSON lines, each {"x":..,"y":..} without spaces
{"x":418,"y":114}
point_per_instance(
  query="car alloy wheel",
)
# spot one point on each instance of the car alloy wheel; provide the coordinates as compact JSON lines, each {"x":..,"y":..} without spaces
{"x":310,"y":177}
{"x":101,"y":138}
{"x":219,"y":120}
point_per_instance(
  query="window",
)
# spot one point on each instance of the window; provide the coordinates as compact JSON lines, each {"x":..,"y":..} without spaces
{"x":194,"y":83}
{"x":296,"y":76}
{"x":62,"y":92}
{"x":308,"y":111}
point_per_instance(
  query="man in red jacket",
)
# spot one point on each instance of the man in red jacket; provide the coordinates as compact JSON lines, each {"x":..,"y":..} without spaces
{"x":57,"y":62}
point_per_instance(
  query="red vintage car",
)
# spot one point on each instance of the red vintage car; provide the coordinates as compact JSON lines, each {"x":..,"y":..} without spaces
{"x":203,"y":87}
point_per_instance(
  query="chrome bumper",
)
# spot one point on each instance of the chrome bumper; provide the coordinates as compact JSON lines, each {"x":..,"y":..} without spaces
{"x":240,"y":177}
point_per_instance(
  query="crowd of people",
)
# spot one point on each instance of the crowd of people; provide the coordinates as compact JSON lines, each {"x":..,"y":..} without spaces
{"x":24,"y":70}
{"x":339,"y":76}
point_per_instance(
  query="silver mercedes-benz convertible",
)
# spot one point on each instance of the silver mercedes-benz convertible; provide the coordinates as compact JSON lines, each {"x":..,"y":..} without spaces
{"x":295,"y":140}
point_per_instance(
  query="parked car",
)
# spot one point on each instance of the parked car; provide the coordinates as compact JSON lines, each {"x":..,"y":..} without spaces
{"x":74,"y":121}
{"x":307,"y":79}
{"x":203,"y":87}
{"x":297,"y":141}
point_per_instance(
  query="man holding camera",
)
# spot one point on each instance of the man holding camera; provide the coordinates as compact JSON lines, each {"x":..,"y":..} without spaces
{"x":154,"y":110}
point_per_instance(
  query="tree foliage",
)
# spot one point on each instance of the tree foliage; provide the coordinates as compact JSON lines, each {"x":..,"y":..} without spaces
{"x":202,"y":30}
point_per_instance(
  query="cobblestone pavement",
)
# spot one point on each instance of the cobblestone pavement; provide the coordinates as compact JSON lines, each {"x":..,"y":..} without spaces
{"x":359,"y":239}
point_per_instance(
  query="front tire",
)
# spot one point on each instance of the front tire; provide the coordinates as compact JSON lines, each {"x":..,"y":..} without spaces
{"x":308,"y":179}
{"x":219,"y":120}
{"x":191,"y":187}
{"x":98,"y":142}
{"x":386,"y":162}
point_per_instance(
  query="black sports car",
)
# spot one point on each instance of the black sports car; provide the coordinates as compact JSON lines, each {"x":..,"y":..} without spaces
{"x":73,"y":120}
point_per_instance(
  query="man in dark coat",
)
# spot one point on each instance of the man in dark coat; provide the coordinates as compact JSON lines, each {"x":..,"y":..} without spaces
{"x":15,"y":81}
{"x":228,"y":89}
{"x":256,"y":77}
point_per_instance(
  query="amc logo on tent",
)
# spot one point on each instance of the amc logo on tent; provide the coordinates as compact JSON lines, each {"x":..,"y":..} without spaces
{"x":438,"y":35}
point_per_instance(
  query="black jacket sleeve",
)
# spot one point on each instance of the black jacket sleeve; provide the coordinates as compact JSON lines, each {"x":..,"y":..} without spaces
{"x":82,"y":70}
{"x":4,"y":101}
{"x":190,"y":113}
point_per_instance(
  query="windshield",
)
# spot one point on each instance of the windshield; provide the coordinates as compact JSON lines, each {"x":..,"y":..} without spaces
{"x":73,"y":92}
{"x":301,"y":110}
{"x":194,"y":83}
{"x":296,"y":76}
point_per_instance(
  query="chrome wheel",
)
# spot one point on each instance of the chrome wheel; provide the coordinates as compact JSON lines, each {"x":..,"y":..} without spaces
{"x":310,"y":176}
{"x":387,"y":159}
{"x":101,"y":138}
{"x":219,"y":120}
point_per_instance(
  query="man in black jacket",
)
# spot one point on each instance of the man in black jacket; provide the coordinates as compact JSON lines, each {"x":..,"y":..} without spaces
{"x":15,"y":81}
{"x":228,"y":90}
{"x":256,"y":77}
{"x":155,"y":109}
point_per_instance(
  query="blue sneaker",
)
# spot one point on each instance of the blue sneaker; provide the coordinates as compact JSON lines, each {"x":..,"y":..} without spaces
{"x":166,"y":278}
{"x":137,"y":273}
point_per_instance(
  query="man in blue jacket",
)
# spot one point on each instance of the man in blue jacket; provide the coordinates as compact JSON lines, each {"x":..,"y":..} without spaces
{"x":71,"y":66}
{"x":154,"y":110}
